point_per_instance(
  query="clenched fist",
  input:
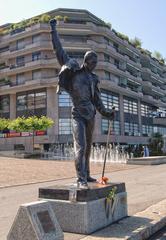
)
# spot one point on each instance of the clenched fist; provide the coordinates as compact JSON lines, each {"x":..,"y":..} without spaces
{"x":53,"y":23}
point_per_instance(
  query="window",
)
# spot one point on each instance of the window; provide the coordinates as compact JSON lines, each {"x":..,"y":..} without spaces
{"x":147,"y":130}
{"x":40,"y":99}
{"x":64,"y":100}
{"x":4,"y":106}
{"x":106,"y":40}
{"x":114,"y":78}
{"x":109,"y":99}
{"x":2,"y":65}
{"x":36,"y":56}
{"x":36,"y":74}
{"x":161,"y":112}
{"x":115,"y":127}
{"x":107,"y":75}
{"x":36,"y":38}
{"x":4,"y":49}
{"x":65,"y":126}
{"x":160,"y":129}
{"x":21,"y":102}
{"x":75,"y":21}
{"x":74,"y":38}
{"x":106,"y":58}
{"x":130,"y":106}
{"x":20,"y":61}
{"x":146,"y":110}
{"x":131,"y":129}
{"x":76,"y":55}
{"x":20,"y":78}
{"x":116,"y":46}
{"x":116,"y":63}
{"x":20,"y":44}
{"x":31,"y":103}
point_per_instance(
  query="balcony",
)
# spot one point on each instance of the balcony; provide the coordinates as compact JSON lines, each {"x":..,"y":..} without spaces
{"x":146,"y":70}
{"x":34,"y":29}
{"x":147,"y":84}
{"x":150,"y":99}
{"x":29,"y":84}
{"x":29,"y":48}
{"x":157,"y":91}
{"x":159,"y":121}
{"x":101,"y":46}
{"x":29,"y":65}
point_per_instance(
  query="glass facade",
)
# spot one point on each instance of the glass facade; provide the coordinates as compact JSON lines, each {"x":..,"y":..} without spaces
{"x":5,"y":106}
{"x":146,"y":110}
{"x":160,"y":129}
{"x":131,"y":126}
{"x":64,"y":100}
{"x":109,"y":99}
{"x":115,"y":127}
{"x":65,"y":126}
{"x":31,"y":103}
{"x":130,"y":106}
{"x":131,"y":129}
{"x":147,"y":130}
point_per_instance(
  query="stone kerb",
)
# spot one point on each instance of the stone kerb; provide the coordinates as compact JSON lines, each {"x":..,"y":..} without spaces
{"x":35,"y":221}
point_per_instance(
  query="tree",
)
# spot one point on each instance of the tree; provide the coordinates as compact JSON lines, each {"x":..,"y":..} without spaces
{"x":31,"y":124}
{"x":4,"y":124}
{"x":156,"y":143}
{"x":45,"y":18}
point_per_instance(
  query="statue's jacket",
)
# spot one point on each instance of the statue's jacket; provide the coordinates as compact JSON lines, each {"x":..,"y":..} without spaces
{"x":81,"y":84}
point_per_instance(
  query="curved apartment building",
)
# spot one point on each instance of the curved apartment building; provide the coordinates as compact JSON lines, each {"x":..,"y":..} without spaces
{"x":130,"y":80}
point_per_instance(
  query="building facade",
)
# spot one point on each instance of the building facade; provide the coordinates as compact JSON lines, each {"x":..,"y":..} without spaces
{"x":130,"y":80}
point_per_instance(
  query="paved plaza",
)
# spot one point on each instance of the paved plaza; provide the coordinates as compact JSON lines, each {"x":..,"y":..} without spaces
{"x":21,"y":178}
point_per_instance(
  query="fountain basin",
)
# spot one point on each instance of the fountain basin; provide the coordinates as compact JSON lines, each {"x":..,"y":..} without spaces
{"x":153,"y":160}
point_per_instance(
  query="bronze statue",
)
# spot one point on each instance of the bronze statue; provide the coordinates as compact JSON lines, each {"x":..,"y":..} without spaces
{"x":82,"y":85}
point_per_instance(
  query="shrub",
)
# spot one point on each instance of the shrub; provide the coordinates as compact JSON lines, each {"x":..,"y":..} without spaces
{"x":45,"y":18}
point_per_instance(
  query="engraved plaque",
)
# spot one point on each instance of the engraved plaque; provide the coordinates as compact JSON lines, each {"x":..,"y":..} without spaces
{"x":46,"y":221}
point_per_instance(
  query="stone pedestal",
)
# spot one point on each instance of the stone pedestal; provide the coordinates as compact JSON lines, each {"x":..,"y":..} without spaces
{"x":86,"y":210}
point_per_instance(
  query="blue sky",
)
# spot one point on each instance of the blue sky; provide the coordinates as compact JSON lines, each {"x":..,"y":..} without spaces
{"x":145,"y":19}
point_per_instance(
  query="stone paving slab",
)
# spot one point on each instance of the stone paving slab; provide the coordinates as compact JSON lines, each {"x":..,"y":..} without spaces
{"x":15,"y":171}
{"x":137,"y":227}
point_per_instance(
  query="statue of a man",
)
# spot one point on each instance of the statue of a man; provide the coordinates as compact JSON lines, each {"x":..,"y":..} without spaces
{"x":82,"y":85}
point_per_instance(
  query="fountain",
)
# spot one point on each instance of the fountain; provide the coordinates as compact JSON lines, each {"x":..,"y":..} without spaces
{"x":115,"y":153}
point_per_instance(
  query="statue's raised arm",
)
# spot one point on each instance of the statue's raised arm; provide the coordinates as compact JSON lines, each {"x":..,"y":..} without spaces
{"x":60,"y":52}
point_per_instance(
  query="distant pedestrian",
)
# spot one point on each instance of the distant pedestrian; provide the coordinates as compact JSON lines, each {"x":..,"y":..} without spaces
{"x":145,"y":151}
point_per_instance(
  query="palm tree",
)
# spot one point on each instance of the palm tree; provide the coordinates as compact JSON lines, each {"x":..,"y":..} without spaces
{"x":156,"y":143}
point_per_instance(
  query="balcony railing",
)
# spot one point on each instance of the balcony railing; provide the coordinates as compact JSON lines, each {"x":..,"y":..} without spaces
{"x":40,"y":60}
{"x":26,"y":31}
{"x":41,"y":80}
